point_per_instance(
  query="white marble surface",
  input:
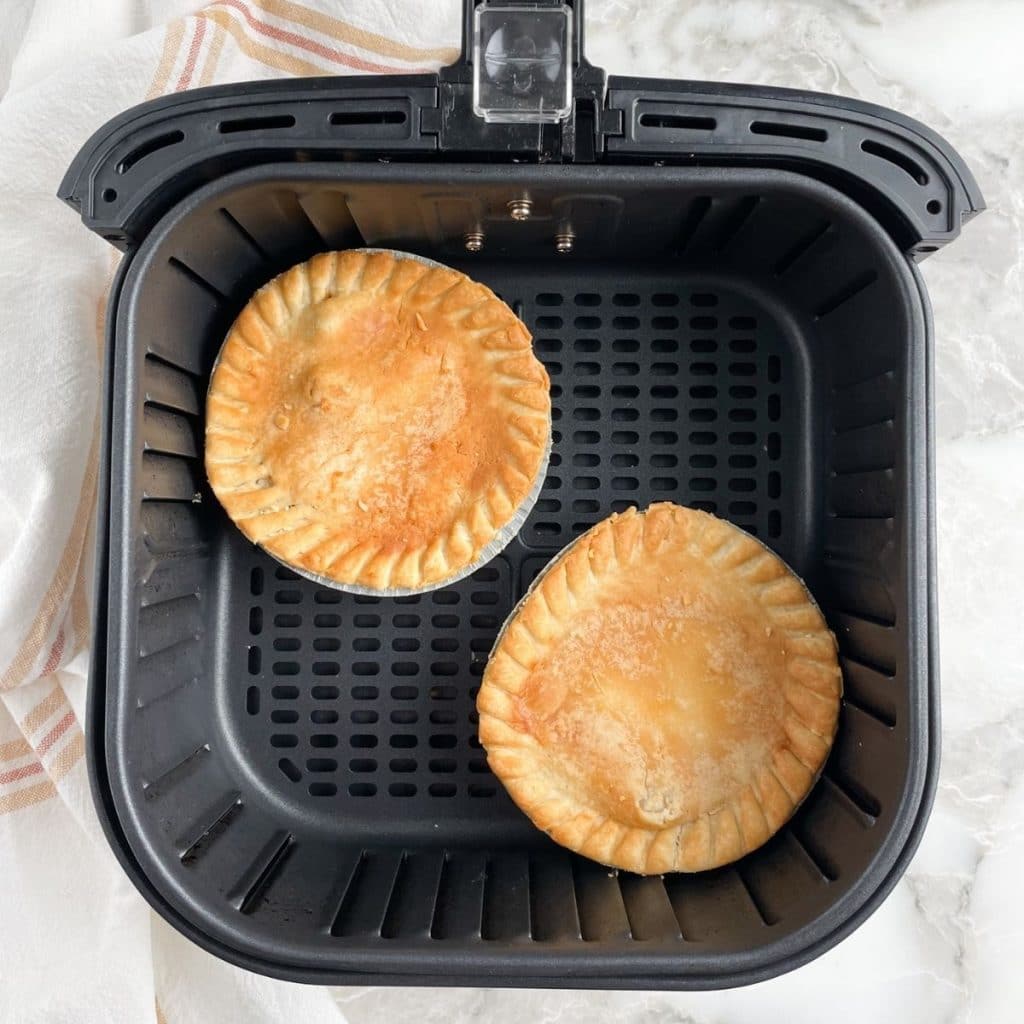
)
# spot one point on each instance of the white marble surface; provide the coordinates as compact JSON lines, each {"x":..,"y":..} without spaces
{"x":947,"y":945}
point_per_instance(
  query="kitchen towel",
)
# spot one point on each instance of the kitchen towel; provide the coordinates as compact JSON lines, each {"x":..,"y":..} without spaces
{"x":77,"y":943}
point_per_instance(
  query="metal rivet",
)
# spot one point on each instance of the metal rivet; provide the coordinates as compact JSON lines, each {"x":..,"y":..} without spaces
{"x":520,"y":209}
{"x":474,"y":241}
{"x":564,"y":241}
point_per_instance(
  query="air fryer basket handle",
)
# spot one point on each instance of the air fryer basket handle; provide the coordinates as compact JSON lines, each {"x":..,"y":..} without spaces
{"x":140,"y":164}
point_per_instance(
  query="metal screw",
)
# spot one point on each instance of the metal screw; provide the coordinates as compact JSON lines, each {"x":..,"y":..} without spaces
{"x":564,"y":241}
{"x":474,"y":241}
{"x":520,"y":209}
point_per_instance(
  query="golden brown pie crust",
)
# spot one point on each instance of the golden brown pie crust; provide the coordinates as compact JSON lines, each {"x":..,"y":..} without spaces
{"x":665,"y":695}
{"x":376,"y":421}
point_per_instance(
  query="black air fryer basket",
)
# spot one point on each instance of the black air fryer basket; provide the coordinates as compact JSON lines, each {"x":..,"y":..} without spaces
{"x":721,"y":282}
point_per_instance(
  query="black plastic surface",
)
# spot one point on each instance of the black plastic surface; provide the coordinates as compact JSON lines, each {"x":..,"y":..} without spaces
{"x":291,"y":775}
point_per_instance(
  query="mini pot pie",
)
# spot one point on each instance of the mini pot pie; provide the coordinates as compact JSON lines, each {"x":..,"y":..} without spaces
{"x":664,"y":696}
{"x":378,"y":422}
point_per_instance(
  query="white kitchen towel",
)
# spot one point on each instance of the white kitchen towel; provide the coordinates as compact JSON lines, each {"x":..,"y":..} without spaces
{"x":77,"y":943}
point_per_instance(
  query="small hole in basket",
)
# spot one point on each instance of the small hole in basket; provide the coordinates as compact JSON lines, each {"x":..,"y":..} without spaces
{"x":290,"y":769}
{"x":625,"y":345}
{"x":774,"y":523}
{"x":774,"y":408}
{"x":742,"y":437}
{"x":444,"y":621}
{"x":323,"y":740}
{"x":742,"y":346}
{"x":362,"y":765}
{"x":700,"y":437}
{"x":365,"y":621}
{"x":625,"y":415}
{"x":288,"y":620}
{"x":743,"y":484}
{"x":109,"y":195}
{"x":287,"y":596}
{"x":284,"y":692}
{"x":404,"y":692}
{"x":252,"y":700}
{"x":287,"y":643}
{"x":325,"y":692}
{"x":703,"y":415}
{"x":626,"y":323}
{"x":363,"y":741}
{"x":401,"y":789}
{"x":286,"y":668}
{"x":444,"y":668}
{"x":441,"y":789}
{"x":443,"y":741}
{"x":284,"y":740}
{"x":625,"y":299}
{"x":587,"y":299}
{"x":742,"y":415}
{"x":703,"y":483}
{"x":365,"y":692}
{"x":323,"y":717}
{"x":481,"y":791}
{"x":625,"y":459}
{"x":321,"y":764}
{"x":444,"y":644}
{"x":326,"y":643}
{"x":362,"y":789}
{"x":255,"y":621}
{"x":548,"y":345}
{"x":255,"y":660}
{"x":665,"y":460}
{"x":671,"y":437}
{"x":774,"y":485}
{"x":742,"y":508}
{"x":326,"y":668}
{"x":774,"y":446}
{"x":363,"y":717}
{"x":405,"y":644}
{"x":664,"y":299}
{"x":322,"y":789}
{"x":703,"y":345}
{"x":701,"y":461}
{"x":404,"y":741}
{"x":443,"y":765}
{"x":742,"y":461}
{"x":404,"y":717}
{"x":934,"y":206}
{"x":625,"y":391}
{"x":442,"y":693}
{"x":625,"y":483}
{"x":625,"y":437}
{"x":665,"y":346}
{"x":625,"y":369}
{"x":587,"y":345}
{"x":284,"y":717}
{"x":402,"y":764}
{"x":365,"y":668}
{"x":703,"y":299}
{"x":664,"y":483}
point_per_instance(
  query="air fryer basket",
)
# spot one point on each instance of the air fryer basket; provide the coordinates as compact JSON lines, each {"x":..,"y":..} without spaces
{"x":290,"y":774}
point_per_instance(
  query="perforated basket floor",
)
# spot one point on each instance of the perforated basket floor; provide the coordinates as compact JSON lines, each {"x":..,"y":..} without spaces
{"x":293,"y":773}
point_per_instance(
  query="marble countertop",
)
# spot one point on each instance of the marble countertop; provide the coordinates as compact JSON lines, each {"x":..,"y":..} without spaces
{"x":947,"y":944}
